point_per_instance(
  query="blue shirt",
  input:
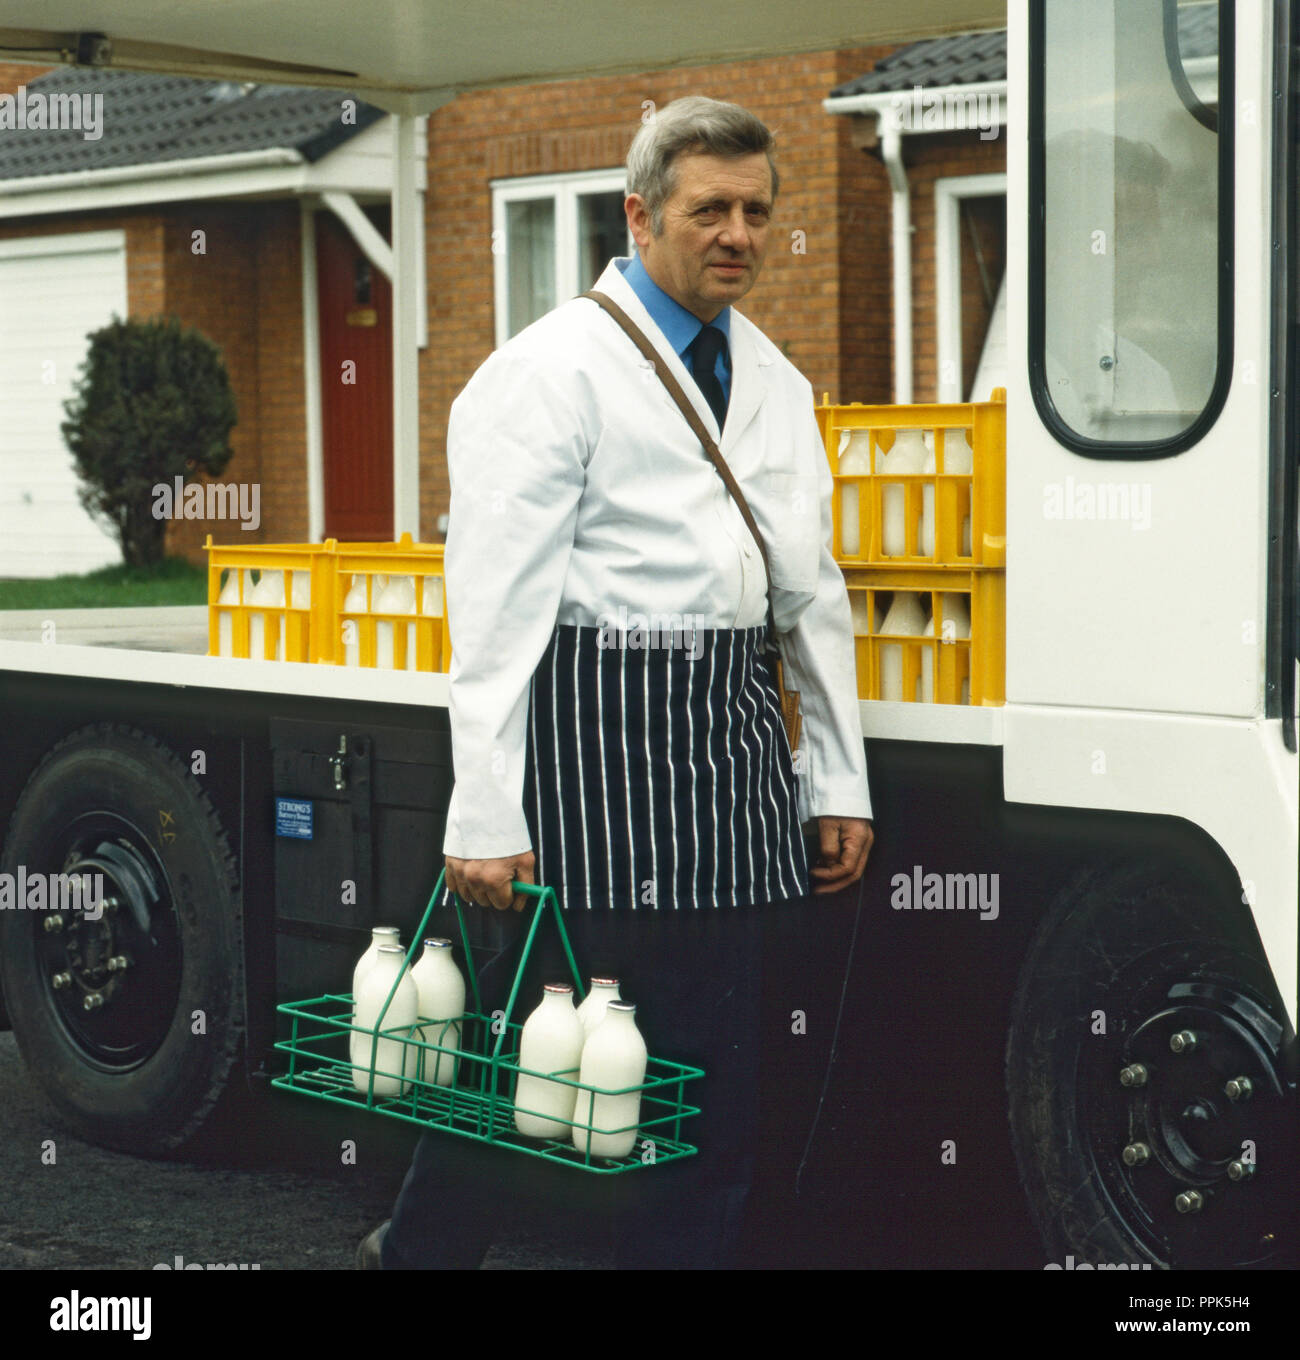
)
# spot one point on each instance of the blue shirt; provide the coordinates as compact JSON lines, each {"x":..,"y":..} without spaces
{"x":679,"y":326}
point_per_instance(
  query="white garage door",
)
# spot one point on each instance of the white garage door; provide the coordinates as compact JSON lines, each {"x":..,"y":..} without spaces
{"x":53,"y":291}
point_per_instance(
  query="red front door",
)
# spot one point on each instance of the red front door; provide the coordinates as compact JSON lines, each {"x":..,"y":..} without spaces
{"x":356,"y":356}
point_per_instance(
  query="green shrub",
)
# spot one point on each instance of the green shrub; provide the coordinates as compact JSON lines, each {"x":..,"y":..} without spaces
{"x":152,"y":403}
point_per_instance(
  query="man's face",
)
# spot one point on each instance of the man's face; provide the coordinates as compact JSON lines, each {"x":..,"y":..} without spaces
{"x":715,"y":229}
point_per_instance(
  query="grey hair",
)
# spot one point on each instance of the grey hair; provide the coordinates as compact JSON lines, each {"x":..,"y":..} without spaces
{"x":691,"y":124}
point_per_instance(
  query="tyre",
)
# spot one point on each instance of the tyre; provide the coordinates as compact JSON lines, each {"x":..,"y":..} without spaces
{"x":130,"y":1023}
{"x":1151,"y":1111}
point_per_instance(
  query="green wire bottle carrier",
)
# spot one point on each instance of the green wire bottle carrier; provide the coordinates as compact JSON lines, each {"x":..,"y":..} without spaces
{"x":479,"y":1103}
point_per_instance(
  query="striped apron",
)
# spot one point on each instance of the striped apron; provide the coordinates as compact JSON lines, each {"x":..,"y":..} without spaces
{"x":661,"y":777}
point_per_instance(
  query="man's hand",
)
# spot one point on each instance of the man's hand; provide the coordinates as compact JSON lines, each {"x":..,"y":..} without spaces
{"x":486,"y":882}
{"x":845,"y":844}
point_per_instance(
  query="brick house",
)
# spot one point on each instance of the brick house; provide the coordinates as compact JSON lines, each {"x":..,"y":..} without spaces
{"x":523,"y":207}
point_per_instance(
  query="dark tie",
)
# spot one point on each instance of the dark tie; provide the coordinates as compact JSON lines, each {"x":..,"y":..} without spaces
{"x":705,"y":349}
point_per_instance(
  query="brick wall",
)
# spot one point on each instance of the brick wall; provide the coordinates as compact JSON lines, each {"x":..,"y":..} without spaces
{"x":14,"y":73}
{"x":826,"y":307}
{"x":244,"y":292}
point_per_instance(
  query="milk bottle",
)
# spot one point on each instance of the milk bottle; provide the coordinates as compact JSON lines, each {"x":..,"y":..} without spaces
{"x":956,"y":627}
{"x":354,"y":606}
{"x":379,"y":936}
{"x":225,"y":619}
{"x":551,"y":1041}
{"x":268,"y":592}
{"x":441,"y":990}
{"x":391,"y":1055}
{"x":905,"y":619}
{"x":592,"y":1010}
{"x":614,"y":1058}
{"x":906,"y":456}
{"x":397,"y":597}
{"x":958,"y":458}
{"x":855,"y":461}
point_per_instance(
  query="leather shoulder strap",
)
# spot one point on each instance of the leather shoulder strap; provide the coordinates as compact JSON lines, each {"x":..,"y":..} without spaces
{"x":640,"y":340}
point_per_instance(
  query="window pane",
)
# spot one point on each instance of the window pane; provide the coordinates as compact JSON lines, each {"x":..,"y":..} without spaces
{"x":602,"y":233}
{"x":530,"y":260}
{"x":1131,"y":187}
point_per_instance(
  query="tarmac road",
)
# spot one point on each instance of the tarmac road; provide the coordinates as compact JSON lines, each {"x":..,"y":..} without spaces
{"x":273,"y":1195}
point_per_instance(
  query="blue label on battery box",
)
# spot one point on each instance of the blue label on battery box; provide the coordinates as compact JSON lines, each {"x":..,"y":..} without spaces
{"x":293,"y":818}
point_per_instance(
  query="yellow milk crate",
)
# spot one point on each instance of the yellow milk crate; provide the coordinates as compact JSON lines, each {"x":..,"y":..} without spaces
{"x":417,"y":641}
{"x":241,"y":626}
{"x":941,"y":518}
{"x":946,"y":667}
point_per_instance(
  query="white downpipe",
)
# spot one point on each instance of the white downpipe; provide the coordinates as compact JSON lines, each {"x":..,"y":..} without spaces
{"x":406,"y":335}
{"x":311,"y":375}
{"x":891,"y":147}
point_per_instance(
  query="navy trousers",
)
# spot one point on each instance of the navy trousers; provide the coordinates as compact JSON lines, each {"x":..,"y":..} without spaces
{"x":695,"y":976}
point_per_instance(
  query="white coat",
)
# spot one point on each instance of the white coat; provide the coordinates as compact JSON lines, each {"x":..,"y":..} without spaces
{"x":578,"y":488}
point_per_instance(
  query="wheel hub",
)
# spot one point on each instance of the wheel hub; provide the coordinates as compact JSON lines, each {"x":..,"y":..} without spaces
{"x":1180,"y":1152}
{"x":114,"y":979}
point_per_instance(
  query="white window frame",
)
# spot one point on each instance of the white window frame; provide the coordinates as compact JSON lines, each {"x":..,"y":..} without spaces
{"x":565,"y":191}
{"x":948,"y":194}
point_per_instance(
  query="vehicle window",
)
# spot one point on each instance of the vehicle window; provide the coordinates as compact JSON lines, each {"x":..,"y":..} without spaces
{"x":1130,"y":346}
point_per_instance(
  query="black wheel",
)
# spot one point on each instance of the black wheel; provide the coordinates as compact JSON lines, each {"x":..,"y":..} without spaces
{"x":130,"y":1023}
{"x":1151,"y":1110}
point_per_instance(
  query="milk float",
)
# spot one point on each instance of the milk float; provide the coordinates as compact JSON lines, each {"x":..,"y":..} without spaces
{"x":551,"y":1041}
{"x":391,"y":1056}
{"x":441,"y":990}
{"x":613,"y":1058}
{"x":592,"y":1010}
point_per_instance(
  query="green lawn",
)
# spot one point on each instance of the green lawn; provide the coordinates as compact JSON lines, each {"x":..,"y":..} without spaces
{"x":174,"y":581}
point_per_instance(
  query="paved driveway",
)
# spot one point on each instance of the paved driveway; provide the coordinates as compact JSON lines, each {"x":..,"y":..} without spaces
{"x":164,"y":628}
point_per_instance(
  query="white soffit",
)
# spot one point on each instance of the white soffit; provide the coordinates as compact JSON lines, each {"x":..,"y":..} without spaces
{"x":413,"y":54}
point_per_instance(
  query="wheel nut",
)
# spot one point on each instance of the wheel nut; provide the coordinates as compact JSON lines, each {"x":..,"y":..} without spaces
{"x":1189,"y":1202}
{"x":1239,"y":1088}
{"x":61,"y":980}
{"x":112,"y":903}
{"x":1136,"y":1154}
{"x":1133,"y":1075}
{"x":53,"y":923}
{"x":118,"y":963}
{"x":1182,"y":1042}
{"x":92,"y":1001}
{"x":1240,"y":1171}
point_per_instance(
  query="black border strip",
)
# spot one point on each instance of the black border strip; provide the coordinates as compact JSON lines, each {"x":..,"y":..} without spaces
{"x":1284,"y":389}
{"x":1096,"y":448}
